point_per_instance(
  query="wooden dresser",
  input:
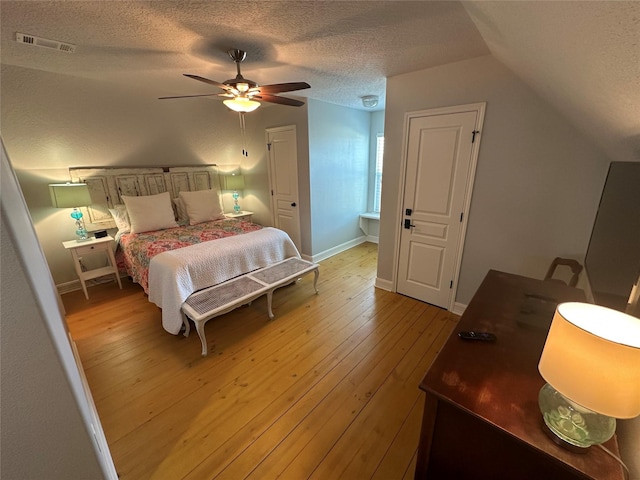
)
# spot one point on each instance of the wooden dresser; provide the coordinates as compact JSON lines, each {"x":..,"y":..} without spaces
{"x":481,"y":418}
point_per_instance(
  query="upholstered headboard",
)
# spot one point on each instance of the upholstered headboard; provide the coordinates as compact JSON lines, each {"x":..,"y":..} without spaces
{"x":107,"y":185}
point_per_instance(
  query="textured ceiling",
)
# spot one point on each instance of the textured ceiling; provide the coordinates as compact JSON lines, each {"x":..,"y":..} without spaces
{"x":343,"y":49}
{"x":581,"y":56}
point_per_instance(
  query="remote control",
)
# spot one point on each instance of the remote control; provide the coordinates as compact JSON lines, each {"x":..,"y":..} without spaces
{"x":481,"y":336}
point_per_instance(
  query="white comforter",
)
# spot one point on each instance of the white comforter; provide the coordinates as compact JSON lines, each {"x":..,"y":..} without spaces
{"x":176,"y":274}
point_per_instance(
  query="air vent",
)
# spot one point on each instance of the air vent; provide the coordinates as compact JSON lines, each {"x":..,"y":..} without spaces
{"x":45,"y":43}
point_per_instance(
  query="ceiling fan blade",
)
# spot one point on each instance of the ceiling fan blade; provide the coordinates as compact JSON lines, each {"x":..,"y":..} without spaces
{"x":188,"y":96}
{"x":281,"y":100}
{"x":283,"y":87}
{"x":210,"y":82}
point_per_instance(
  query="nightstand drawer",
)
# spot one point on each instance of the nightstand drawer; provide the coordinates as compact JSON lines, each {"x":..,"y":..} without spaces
{"x":91,"y":248}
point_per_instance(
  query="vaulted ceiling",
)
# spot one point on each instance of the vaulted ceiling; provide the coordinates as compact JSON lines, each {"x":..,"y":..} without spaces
{"x":582,"y":57}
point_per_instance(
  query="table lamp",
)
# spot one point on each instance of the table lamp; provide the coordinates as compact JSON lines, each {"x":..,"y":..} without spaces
{"x":72,"y":195}
{"x":591,"y":363}
{"x":233,"y":182}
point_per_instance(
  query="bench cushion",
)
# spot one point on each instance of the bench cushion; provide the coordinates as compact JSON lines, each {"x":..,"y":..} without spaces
{"x":208,"y":301}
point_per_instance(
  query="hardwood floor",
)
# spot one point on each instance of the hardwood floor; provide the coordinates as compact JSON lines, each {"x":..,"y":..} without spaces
{"x":327,"y":390}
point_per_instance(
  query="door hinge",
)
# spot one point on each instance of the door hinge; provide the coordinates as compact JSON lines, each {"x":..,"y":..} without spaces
{"x":269,"y":146}
{"x":451,"y":284}
{"x":272,"y":193}
{"x":473,"y":135}
{"x":461,"y":215}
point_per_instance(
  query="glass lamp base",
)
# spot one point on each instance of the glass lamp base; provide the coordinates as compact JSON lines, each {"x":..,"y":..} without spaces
{"x":81,"y":231}
{"x":236,"y":207}
{"x":571,"y":423}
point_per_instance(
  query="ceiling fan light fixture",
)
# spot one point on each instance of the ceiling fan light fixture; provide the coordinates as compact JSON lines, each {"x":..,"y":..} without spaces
{"x":369,"y":101}
{"x":241,"y":104}
{"x":242,"y":87}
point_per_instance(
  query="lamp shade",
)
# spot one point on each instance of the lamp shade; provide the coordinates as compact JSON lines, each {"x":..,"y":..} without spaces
{"x":241,"y":104}
{"x":592,"y":357}
{"x":69,"y":195}
{"x":232,"y":182}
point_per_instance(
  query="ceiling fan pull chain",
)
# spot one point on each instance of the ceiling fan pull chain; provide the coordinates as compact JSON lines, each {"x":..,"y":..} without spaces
{"x":245,"y":153}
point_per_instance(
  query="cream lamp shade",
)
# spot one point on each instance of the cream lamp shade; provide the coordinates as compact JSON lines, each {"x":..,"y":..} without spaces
{"x":69,"y":195}
{"x":592,"y":357}
{"x":233,"y":182}
{"x":72,"y":195}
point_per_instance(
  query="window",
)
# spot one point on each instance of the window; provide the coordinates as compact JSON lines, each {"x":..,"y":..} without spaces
{"x":377,"y":181}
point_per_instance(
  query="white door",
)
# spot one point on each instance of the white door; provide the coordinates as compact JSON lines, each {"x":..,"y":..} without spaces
{"x":283,"y":179}
{"x":441,"y":149}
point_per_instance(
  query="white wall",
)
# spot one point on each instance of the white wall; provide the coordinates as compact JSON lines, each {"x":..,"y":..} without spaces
{"x":537,"y":187}
{"x":44,"y":410}
{"x":338,"y":172}
{"x":255,"y":166}
{"x":51,"y":122}
{"x":538,"y":179}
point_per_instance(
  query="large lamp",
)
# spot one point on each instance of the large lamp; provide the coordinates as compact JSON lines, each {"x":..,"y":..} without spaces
{"x":234,"y":182}
{"x":591,"y":363}
{"x":72,"y":195}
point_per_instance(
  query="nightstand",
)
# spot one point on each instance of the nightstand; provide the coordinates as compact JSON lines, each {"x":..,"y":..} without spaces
{"x":94,"y":245}
{"x":246,"y":216}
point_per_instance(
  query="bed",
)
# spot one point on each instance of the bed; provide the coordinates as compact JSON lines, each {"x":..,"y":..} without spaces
{"x":172,"y":236}
{"x":135,"y":251}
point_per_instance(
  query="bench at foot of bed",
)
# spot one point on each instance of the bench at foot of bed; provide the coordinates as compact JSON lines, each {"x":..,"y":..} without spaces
{"x":214,"y":301}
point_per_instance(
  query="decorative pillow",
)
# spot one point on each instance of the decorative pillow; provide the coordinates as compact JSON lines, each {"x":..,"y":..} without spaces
{"x":202,"y":206}
{"x":121,"y":217}
{"x":150,"y":212}
{"x":181,"y":211}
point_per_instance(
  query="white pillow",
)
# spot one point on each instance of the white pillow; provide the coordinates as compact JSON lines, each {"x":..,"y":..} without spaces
{"x":120,"y":216}
{"x":181,"y":211}
{"x":202,"y":206}
{"x":150,"y":212}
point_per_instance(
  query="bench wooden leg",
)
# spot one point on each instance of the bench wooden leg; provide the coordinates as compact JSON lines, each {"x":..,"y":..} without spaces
{"x":316,"y":274}
{"x":203,"y":338}
{"x":185,"y":322}
{"x":269,"y":298}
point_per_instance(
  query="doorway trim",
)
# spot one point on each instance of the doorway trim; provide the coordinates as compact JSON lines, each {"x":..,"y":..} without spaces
{"x":296,"y":229}
{"x":479,"y":108}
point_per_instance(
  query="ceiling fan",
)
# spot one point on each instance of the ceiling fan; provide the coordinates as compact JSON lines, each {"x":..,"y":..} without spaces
{"x":242,"y":94}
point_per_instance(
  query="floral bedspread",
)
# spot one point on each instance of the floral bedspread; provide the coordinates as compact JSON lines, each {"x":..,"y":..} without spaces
{"x":135,"y":250}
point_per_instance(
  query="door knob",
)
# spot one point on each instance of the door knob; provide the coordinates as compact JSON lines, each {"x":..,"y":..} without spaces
{"x":293,"y":204}
{"x":407,"y":223}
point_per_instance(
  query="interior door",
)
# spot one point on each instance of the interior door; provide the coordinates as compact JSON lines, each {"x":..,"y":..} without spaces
{"x":283,"y":178}
{"x":440,"y":164}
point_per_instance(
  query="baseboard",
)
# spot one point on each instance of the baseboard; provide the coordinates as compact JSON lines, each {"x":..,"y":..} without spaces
{"x":337,"y":249}
{"x":68,"y":287}
{"x":74,"y":285}
{"x":372,"y":239}
{"x":459,"y":308}
{"x":384,"y":284}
